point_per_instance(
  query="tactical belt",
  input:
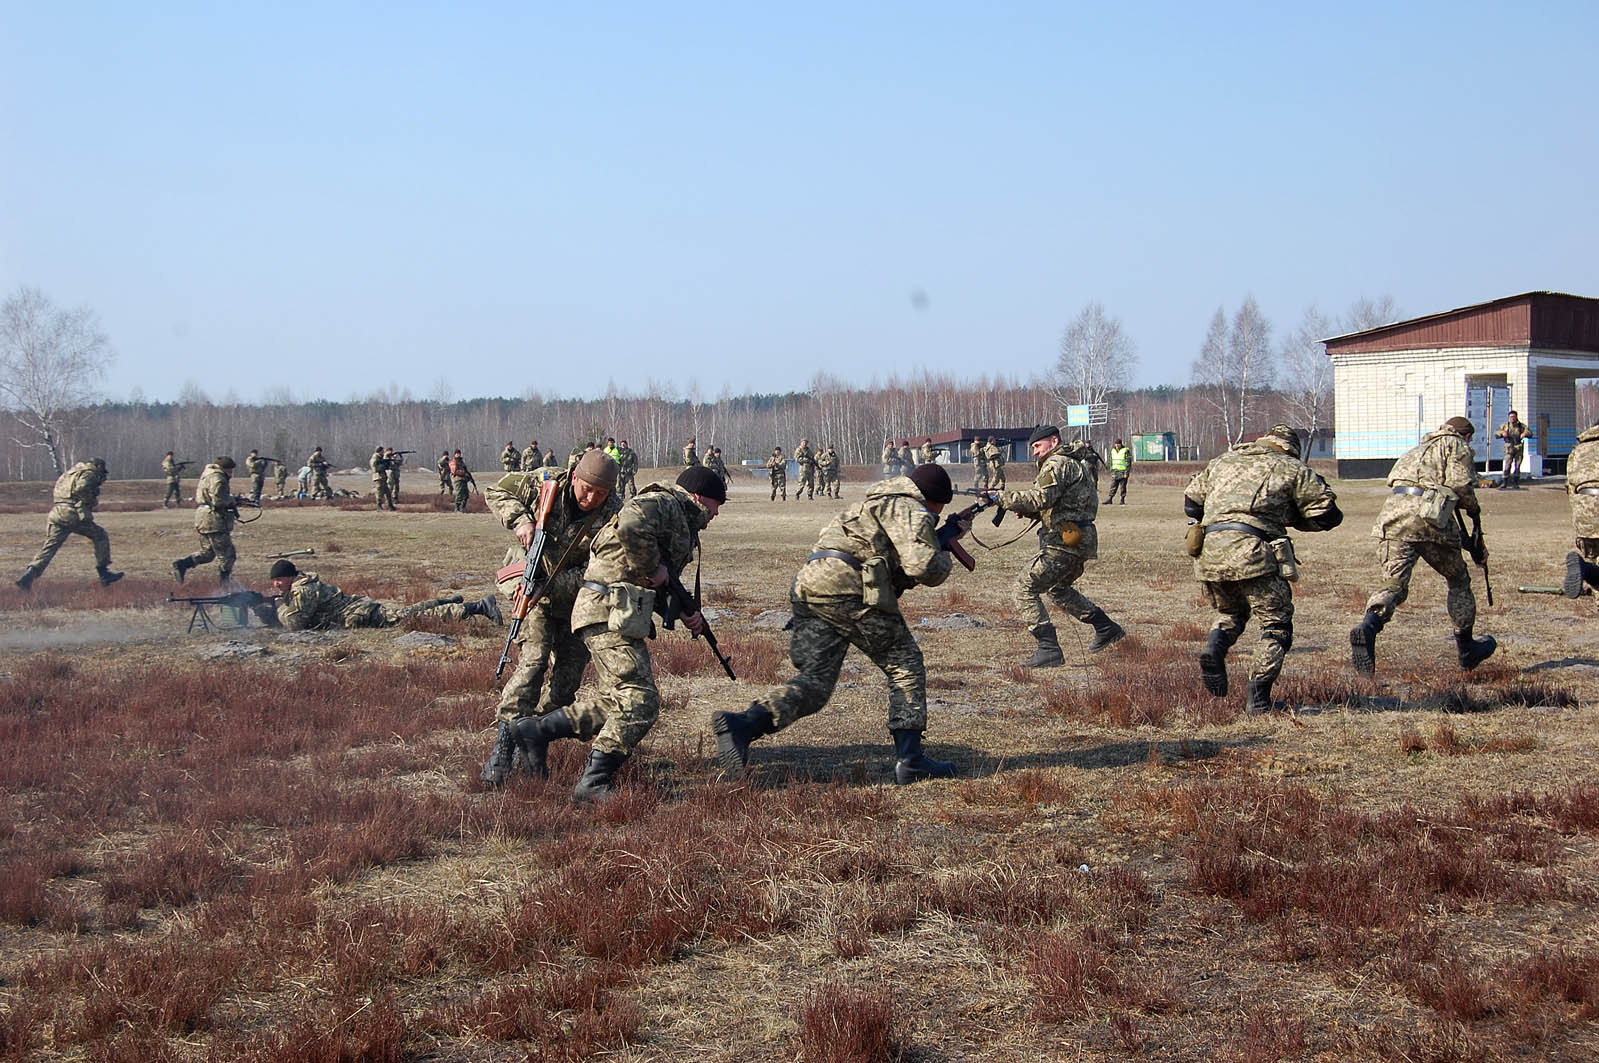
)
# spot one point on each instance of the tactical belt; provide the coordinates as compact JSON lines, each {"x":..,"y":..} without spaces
{"x":838,"y":555}
{"x":1588,"y":490}
{"x":1410,"y":490}
{"x":602,"y":589}
{"x":1236,"y":526}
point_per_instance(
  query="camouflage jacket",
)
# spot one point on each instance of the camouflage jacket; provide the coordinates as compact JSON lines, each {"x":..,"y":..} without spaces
{"x":660,"y":525}
{"x":906,"y":458}
{"x":995,"y":454}
{"x":318,"y":463}
{"x":569,"y":532}
{"x":1441,"y":461}
{"x":444,"y":467}
{"x":510,"y":459}
{"x":827,"y":462}
{"x":890,"y":457}
{"x":980,"y":455}
{"x":312,"y":605}
{"x":777,"y":466}
{"x":77,"y":492}
{"x":256,"y":466}
{"x":691,"y":457}
{"x":532,"y":457}
{"x":549,"y":459}
{"x":573,"y":456}
{"x":892,"y":523}
{"x":215,"y":510}
{"x":715,"y":463}
{"x":379,"y":466}
{"x":803,"y":456}
{"x":1514,"y":435}
{"x":1062,"y":493}
{"x":927,"y":453}
{"x":1582,"y":471}
{"x":169,"y":468}
{"x":1258,"y":485}
{"x":626,"y":459}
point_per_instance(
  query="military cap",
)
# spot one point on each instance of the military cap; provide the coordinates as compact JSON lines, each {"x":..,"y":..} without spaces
{"x":1043,"y":431}
{"x":933,"y":482}
{"x":1461,"y":425}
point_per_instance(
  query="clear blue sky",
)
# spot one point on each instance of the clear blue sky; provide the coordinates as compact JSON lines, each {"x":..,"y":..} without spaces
{"x":538,"y":198}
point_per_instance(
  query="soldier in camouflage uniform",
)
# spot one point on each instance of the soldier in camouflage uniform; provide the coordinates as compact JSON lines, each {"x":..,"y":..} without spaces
{"x":585,"y":503}
{"x":461,"y":481}
{"x":173,"y":470}
{"x":510,"y":457}
{"x":395,"y":460}
{"x":777,"y":466}
{"x":77,"y":492}
{"x":255,"y":467}
{"x":1582,"y":487}
{"x":891,"y":467}
{"x":980,"y":459}
{"x":1247,"y":499}
{"x":532,"y":457}
{"x":996,"y":464}
{"x":907,"y":461}
{"x":1429,"y":483}
{"x":847,"y":594}
{"x":927,"y":454}
{"x":308,"y":604}
{"x":1514,"y":432}
{"x":805,"y":459}
{"x":319,"y":475}
{"x":691,"y":456}
{"x":444,"y":472}
{"x":827,"y":471}
{"x":215,"y":511}
{"x":379,"y":465}
{"x":626,"y":469}
{"x":282,"y":480}
{"x":654,"y":534}
{"x":714,"y":462}
{"x":1065,"y":501}
{"x":575,"y":455}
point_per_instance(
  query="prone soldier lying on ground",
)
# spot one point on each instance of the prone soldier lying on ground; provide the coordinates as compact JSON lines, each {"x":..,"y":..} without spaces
{"x":308,"y":604}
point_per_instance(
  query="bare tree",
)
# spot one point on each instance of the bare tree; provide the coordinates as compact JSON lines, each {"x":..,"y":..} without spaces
{"x":1367,"y":313}
{"x":1234,"y":365}
{"x":1096,"y":358}
{"x":50,"y":363}
{"x":1308,"y":374}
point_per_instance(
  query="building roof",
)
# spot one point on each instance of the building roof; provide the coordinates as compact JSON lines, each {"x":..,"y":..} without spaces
{"x":1548,"y":320}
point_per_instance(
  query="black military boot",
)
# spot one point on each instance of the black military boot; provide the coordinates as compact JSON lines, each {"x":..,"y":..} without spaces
{"x":1579,"y":572}
{"x":180,"y":568}
{"x":734,"y":733}
{"x":1213,"y":663}
{"x":1363,"y":643}
{"x":595,"y":785}
{"x":501,"y":757}
{"x":107,"y":577}
{"x":489,"y":606}
{"x":25,"y":581}
{"x":533,"y":735}
{"x":1106,"y":631}
{"x":1472,"y":651}
{"x":1259,"y":700}
{"x":1048,"y":654}
{"x":912,"y":765}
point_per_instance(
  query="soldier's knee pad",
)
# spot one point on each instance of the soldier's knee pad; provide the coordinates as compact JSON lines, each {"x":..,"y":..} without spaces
{"x":1280,"y":632}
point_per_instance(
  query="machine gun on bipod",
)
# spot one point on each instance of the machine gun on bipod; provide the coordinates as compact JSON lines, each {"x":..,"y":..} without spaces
{"x":235,"y":609}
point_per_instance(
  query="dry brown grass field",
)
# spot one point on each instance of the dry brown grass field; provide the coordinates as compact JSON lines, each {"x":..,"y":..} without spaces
{"x":256,"y":846}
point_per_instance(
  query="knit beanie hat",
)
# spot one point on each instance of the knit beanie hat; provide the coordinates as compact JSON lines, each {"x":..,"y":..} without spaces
{"x":933,"y":482}
{"x":1043,"y":431}
{"x":698,"y":480}
{"x":283,"y":567}
{"x":1461,"y":425}
{"x":597,"y":468}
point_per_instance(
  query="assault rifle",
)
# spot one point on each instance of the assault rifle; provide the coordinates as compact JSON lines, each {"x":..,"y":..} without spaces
{"x":236,"y":607}
{"x":403,"y":453}
{"x":269,"y":460}
{"x":678,"y":602}
{"x":181,"y":465}
{"x":531,"y":589}
{"x":240,"y":500}
{"x":950,"y":531}
{"x":1476,"y":548}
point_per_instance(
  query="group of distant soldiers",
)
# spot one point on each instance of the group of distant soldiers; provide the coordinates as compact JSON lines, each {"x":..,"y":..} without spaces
{"x":815,"y":468}
{"x":608,"y":564}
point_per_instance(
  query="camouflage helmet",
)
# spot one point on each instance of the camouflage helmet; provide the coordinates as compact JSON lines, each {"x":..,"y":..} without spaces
{"x":1283,"y":438}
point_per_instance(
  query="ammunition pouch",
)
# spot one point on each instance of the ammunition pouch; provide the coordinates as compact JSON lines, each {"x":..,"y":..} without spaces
{"x":1194,"y":539}
{"x":1282,"y":550}
{"x":632,"y":609}
{"x":877,"y":585}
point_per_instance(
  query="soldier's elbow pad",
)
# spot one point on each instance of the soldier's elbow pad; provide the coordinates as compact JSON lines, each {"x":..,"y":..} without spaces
{"x":1328,"y":520}
{"x":1194,"y":510}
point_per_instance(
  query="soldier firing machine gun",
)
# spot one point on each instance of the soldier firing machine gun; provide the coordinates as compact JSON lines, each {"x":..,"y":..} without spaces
{"x":235,"y":610}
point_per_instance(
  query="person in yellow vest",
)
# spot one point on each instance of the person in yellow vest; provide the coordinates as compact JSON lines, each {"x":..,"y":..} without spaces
{"x":1121,"y":461}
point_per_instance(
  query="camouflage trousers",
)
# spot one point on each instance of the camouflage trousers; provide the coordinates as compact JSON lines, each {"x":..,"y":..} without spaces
{"x":1052,"y":572}
{"x":394,"y":488}
{"x":627,"y":480}
{"x":282,"y":481}
{"x":980,"y":478}
{"x":1117,"y":480}
{"x":319,"y":485}
{"x":544,"y":639}
{"x":824,"y":630}
{"x":1399,"y":557}
{"x":780,"y":484}
{"x":807,"y":481}
{"x":380,"y":488}
{"x":996,"y":478}
{"x":217,"y":545}
{"x":830,"y":485}
{"x":257,"y":485}
{"x":174,"y":492}
{"x":55,"y":534}
{"x":625,"y":702}
{"x":463,"y":490}
{"x":369,"y":612}
{"x":1270,"y":599}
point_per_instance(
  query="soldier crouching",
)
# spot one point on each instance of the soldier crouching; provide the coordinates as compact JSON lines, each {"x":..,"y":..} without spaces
{"x":1245,"y":501}
{"x":847,"y":594}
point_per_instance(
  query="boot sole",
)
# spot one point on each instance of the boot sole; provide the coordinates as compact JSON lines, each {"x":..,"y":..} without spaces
{"x":1362,"y":653}
{"x":1492,"y":645}
{"x":1573,"y":583}
{"x":1213,"y":673}
{"x":729,"y":756}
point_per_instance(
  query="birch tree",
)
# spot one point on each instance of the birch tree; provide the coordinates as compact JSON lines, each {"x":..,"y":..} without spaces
{"x":50,"y":363}
{"x":1234,"y":366}
{"x":1096,"y":358}
{"x":1308,"y":374}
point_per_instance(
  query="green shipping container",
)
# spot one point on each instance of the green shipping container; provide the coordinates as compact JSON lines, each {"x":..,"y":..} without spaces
{"x":1155,"y":446}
